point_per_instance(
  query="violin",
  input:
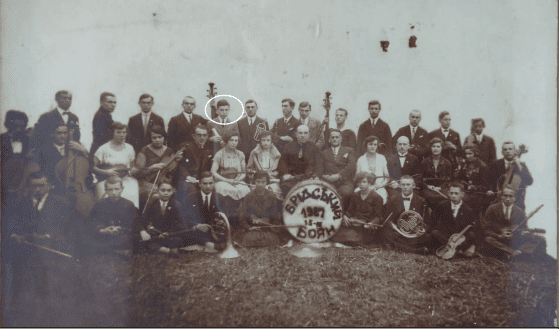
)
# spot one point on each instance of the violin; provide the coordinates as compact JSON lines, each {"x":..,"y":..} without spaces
{"x":511,"y":177}
{"x":449,"y":250}
{"x":509,"y":230}
{"x":121,"y":169}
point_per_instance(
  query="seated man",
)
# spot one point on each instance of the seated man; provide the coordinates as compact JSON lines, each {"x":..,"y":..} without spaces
{"x":110,"y":221}
{"x":403,"y":163}
{"x":500,"y":219}
{"x":300,"y":160}
{"x":161,"y":227}
{"x":339,"y":166}
{"x":258,"y":210}
{"x":364,"y":214}
{"x":407,"y":200}
{"x":452,"y":216}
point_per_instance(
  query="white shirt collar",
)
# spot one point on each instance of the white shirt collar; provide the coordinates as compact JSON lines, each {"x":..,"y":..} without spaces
{"x":41,"y":202}
{"x":410,"y":196}
{"x":187,"y":115}
{"x":163,"y":203}
{"x":61,"y":111}
{"x":146,"y":114}
{"x":373,"y":121}
{"x":411,"y":127}
{"x":305,"y":121}
{"x":442,"y":129}
{"x":204,"y":196}
{"x":457,"y":206}
{"x":287,"y":119}
{"x":60,"y":148}
{"x":220,"y":120}
{"x":479,"y":137}
{"x":335,"y":150}
{"x":17,"y":147}
{"x":402,"y":155}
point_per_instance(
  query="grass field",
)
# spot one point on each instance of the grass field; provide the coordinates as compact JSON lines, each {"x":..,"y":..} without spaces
{"x":270,"y":287}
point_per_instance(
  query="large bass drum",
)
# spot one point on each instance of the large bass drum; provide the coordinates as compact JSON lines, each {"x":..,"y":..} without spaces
{"x":313,"y":210}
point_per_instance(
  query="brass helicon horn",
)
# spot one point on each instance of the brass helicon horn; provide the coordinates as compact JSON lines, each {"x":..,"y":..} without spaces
{"x":230,"y":251}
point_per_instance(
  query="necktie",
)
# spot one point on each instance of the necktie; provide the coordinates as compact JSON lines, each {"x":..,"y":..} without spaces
{"x":300,"y":151}
{"x":206,"y":203}
{"x":445,"y":131}
{"x":285,"y":120}
{"x":507,"y":215}
{"x":406,"y":199}
{"x":373,"y":123}
{"x":250,"y":122}
{"x":146,"y":119}
{"x":454,"y":211}
{"x":401,"y":156}
{"x":163,"y":206}
{"x":189,"y":116}
{"x":335,"y":151}
{"x":412,"y":132}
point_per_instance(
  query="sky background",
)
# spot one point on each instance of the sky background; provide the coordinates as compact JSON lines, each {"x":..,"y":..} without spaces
{"x":491,"y":59}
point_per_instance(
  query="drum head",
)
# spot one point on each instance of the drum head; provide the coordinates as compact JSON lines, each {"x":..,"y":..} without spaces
{"x":316,"y":207}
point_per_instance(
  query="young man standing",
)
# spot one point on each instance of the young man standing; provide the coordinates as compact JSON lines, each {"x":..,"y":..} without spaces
{"x":224,"y":125}
{"x":349,"y":139}
{"x":248,"y":127}
{"x":418,"y":137}
{"x":102,"y":122}
{"x":374,"y":126}
{"x":181,"y":127}
{"x":60,"y":113}
{"x":284,"y":129}
{"x":139,"y":125}
{"x":452,"y":147}
{"x":312,"y":123}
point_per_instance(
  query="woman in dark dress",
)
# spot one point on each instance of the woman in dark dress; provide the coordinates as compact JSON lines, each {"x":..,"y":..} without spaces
{"x":437,"y":171}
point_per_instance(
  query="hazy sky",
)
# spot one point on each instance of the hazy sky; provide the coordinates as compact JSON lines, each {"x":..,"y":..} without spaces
{"x":491,"y":59}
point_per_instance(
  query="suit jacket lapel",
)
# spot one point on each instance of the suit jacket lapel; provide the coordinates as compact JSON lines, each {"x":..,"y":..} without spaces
{"x":183,"y":121}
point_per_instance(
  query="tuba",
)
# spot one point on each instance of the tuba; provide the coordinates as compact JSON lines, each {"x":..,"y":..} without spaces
{"x":229,"y":251}
{"x":410,"y":224}
{"x":260,"y":128}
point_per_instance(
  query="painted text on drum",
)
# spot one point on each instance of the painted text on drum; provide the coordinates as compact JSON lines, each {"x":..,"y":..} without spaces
{"x":315,"y":233}
{"x":329,"y":198}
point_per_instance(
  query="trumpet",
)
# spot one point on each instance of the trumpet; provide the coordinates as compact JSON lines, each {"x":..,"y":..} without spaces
{"x":260,"y":128}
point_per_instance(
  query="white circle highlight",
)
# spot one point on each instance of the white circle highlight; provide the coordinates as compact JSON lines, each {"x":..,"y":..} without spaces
{"x":219,"y":123}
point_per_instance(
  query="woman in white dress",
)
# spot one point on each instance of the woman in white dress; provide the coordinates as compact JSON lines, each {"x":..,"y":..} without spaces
{"x":265,"y":157}
{"x":117,"y":158}
{"x":374,"y":163}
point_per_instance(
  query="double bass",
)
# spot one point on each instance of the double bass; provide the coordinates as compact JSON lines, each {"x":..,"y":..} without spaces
{"x":512,"y":176}
{"x":325,"y":124}
{"x":212,"y":92}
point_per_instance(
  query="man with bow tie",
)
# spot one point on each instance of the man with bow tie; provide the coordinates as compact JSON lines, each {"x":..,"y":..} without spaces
{"x":403,"y":163}
{"x":139,"y":125}
{"x":284,"y":129}
{"x":60,"y":113}
{"x":340,"y":164}
{"x":452,"y":147}
{"x":499,"y":167}
{"x":299,"y":161}
{"x":221,"y":125}
{"x":417,"y":136}
{"x":181,"y":127}
{"x":248,"y":127}
{"x":452,"y":216}
{"x":374,"y":126}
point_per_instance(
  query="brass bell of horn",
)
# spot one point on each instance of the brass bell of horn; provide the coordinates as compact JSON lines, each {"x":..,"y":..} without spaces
{"x":230,"y":251}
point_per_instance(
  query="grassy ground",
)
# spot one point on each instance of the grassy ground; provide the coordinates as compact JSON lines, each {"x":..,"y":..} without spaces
{"x":269,"y":287}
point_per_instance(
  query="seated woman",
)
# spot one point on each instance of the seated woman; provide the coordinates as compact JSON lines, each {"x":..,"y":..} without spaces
{"x":265,"y":157}
{"x":151,"y":159}
{"x":259,"y":209}
{"x":374,"y":163}
{"x":437,"y":171}
{"x":473,"y":174}
{"x":229,"y":168}
{"x":116,"y":158}
{"x":364,"y":212}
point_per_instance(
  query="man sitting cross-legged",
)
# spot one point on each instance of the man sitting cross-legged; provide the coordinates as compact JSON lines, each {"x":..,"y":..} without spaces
{"x":363,"y":214}
{"x":163,"y":218}
{"x":452,"y":216}
{"x":110,"y":221}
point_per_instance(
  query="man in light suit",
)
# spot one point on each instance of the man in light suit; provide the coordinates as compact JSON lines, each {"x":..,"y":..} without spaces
{"x":374,"y":126}
{"x":60,"y":113}
{"x":181,"y":127}
{"x":139,"y":125}
{"x":313,"y":124}
{"x":339,"y":166}
{"x":248,"y":127}
{"x":284,"y":129}
{"x":452,"y":147}
{"x":403,"y":163}
{"x":418,"y":137}
{"x":221,"y":125}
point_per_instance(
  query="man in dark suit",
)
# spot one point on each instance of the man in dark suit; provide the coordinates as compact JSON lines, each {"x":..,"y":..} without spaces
{"x":374,"y":126}
{"x":339,"y":166}
{"x":403,"y":163}
{"x":349,"y":138}
{"x":248,"y":126}
{"x":284,"y":129}
{"x":485,"y":144}
{"x":102,"y":121}
{"x":61,"y":113}
{"x":197,"y":158}
{"x":139,"y":125}
{"x":15,"y":152}
{"x":313,"y":124}
{"x":451,"y":217}
{"x":452,"y":147}
{"x":181,"y":127}
{"x":499,"y":167}
{"x":404,"y":201}
{"x":300,"y":160}
{"x":418,"y":137}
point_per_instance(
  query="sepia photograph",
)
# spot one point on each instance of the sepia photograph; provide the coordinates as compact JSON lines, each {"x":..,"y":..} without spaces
{"x":259,"y":163}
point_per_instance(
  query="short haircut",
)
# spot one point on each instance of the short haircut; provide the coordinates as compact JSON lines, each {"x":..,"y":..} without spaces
{"x":375,"y":102}
{"x":368,"y":140}
{"x":335,"y":130}
{"x":371,"y":178}
{"x":435,"y":141}
{"x":251,"y":101}
{"x":158,"y":130}
{"x":56,"y":125}
{"x":261,"y":174}
{"x":165,"y":180}
{"x":305,"y":104}
{"x":407,"y":177}
{"x":443,"y":114}
{"x":227,"y":137}
{"x":265,"y":133}
{"x":190,"y":98}
{"x":114,"y":179}
{"x":290,"y":101}
{"x":222,"y":102}
{"x":343,"y":110}
{"x":508,"y":142}
{"x":105,"y":95}
{"x":118,"y":125}
{"x":471,"y":146}
{"x":475,"y":121}
{"x":142,"y":96}
{"x":415,"y":111}
{"x":205,"y":174}
{"x":456,"y":184}
{"x":60,"y":93}
{"x":14,"y":115}
{"x":507,"y":187}
{"x":201,"y":126}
